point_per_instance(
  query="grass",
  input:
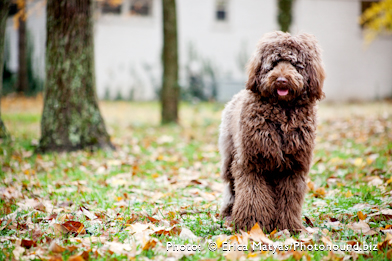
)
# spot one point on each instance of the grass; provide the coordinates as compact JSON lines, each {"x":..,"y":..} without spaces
{"x":167,"y":177}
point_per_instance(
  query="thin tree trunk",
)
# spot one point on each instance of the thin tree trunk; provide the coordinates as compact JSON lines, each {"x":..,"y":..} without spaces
{"x":22,"y":83}
{"x":170,"y":87}
{"x":4,"y":7}
{"x":285,"y":14}
{"x":71,"y":119}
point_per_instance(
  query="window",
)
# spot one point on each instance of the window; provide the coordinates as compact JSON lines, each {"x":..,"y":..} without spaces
{"x":364,"y":6}
{"x":141,"y":7}
{"x":221,"y":10}
{"x":111,"y":6}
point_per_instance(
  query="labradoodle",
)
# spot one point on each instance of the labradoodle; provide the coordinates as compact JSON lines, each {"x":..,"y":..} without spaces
{"x":267,"y":133}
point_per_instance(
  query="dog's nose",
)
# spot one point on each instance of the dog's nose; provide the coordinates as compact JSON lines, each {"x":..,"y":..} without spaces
{"x":281,"y":81}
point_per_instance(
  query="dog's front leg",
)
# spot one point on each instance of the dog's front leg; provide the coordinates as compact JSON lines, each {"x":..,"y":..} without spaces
{"x":253,"y":202}
{"x":289,"y":197}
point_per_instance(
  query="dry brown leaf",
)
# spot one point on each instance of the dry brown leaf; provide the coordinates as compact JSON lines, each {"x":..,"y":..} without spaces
{"x":362,"y":227}
{"x":40,"y":207}
{"x":51,"y":216}
{"x":383,"y":215}
{"x":56,"y":248}
{"x":74,"y":227}
{"x":153,"y":220}
{"x":387,"y":243}
{"x":150,"y":244}
{"x":256,"y":234}
{"x":132,"y":219}
{"x":8,"y":222}
{"x":76,"y":258}
{"x":87,"y":213}
{"x":172,"y":231}
{"x":28,"y":243}
{"x":308,"y":222}
{"x":60,"y":230}
{"x":56,"y":258}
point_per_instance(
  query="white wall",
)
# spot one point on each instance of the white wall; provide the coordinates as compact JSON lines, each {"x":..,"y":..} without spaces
{"x":127,"y":54}
{"x":128,"y":48}
{"x":354,"y":71}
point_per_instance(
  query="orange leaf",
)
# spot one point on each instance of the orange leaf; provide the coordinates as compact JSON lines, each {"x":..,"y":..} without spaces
{"x":150,"y":244}
{"x":361,"y":216}
{"x":153,"y":220}
{"x":171,"y":215}
{"x":74,"y":227}
{"x":76,"y":258}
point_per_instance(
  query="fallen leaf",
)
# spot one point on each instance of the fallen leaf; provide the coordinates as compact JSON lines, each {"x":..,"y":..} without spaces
{"x":60,"y":230}
{"x":56,"y":248}
{"x":28,"y":243}
{"x":87,"y":213}
{"x":150,"y":244}
{"x":186,"y":234}
{"x":76,"y":258}
{"x":258,"y":235}
{"x":18,"y":251}
{"x":153,"y":220}
{"x":308,"y":222}
{"x":172,"y":231}
{"x":361,"y":216}
{"x":74,"y":227}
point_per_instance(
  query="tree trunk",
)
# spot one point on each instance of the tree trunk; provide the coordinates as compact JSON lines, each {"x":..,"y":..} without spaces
{"x":22,"y":84}
{"x":4,"y":6}
{"x":285,"y":16}
{"x":71,"y":119}
{"x":170,"y":87}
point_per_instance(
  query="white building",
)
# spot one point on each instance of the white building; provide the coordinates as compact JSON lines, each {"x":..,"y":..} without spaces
{"x":216,"y":38}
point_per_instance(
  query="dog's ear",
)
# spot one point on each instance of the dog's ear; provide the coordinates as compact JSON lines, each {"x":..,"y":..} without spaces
{"x":253,"y":69}
{"x":316,"y":74}
{"x":314,"y":67}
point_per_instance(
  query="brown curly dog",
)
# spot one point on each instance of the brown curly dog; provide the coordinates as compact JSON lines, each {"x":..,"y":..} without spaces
{"x":267,"y":133}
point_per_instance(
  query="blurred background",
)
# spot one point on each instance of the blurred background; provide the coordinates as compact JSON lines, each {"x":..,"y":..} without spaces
{"x":215,"y":40}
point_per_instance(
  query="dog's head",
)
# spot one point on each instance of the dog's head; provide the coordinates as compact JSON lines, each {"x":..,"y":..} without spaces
{"x":286,"y":67}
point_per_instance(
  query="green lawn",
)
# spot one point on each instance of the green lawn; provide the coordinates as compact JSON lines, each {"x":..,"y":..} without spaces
{"x":161,"y":189}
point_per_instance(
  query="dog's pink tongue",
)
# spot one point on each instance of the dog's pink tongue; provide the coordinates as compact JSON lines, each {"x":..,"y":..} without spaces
{"x":283,"y":92}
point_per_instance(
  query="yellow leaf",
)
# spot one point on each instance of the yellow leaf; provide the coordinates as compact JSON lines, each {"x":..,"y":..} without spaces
{"x":252,"y":255}
{"x":348,"y":194}
{"x":219,"y":242}
{"x":361,"y":216}
{"x":310,"y":185}
{"x":389,"y":180}
{"x":273,"y":232}
{"x":358,"y":162}
{"x":155,"y":175}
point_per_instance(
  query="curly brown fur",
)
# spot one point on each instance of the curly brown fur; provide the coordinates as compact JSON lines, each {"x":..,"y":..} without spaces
{"x":267,"y":133}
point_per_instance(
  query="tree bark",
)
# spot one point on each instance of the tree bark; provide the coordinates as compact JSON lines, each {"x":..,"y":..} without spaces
{"x":22,"y":85}
{"x":170,"y":87}
{"x":4,"y":7}
{"x":71,"y":119}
